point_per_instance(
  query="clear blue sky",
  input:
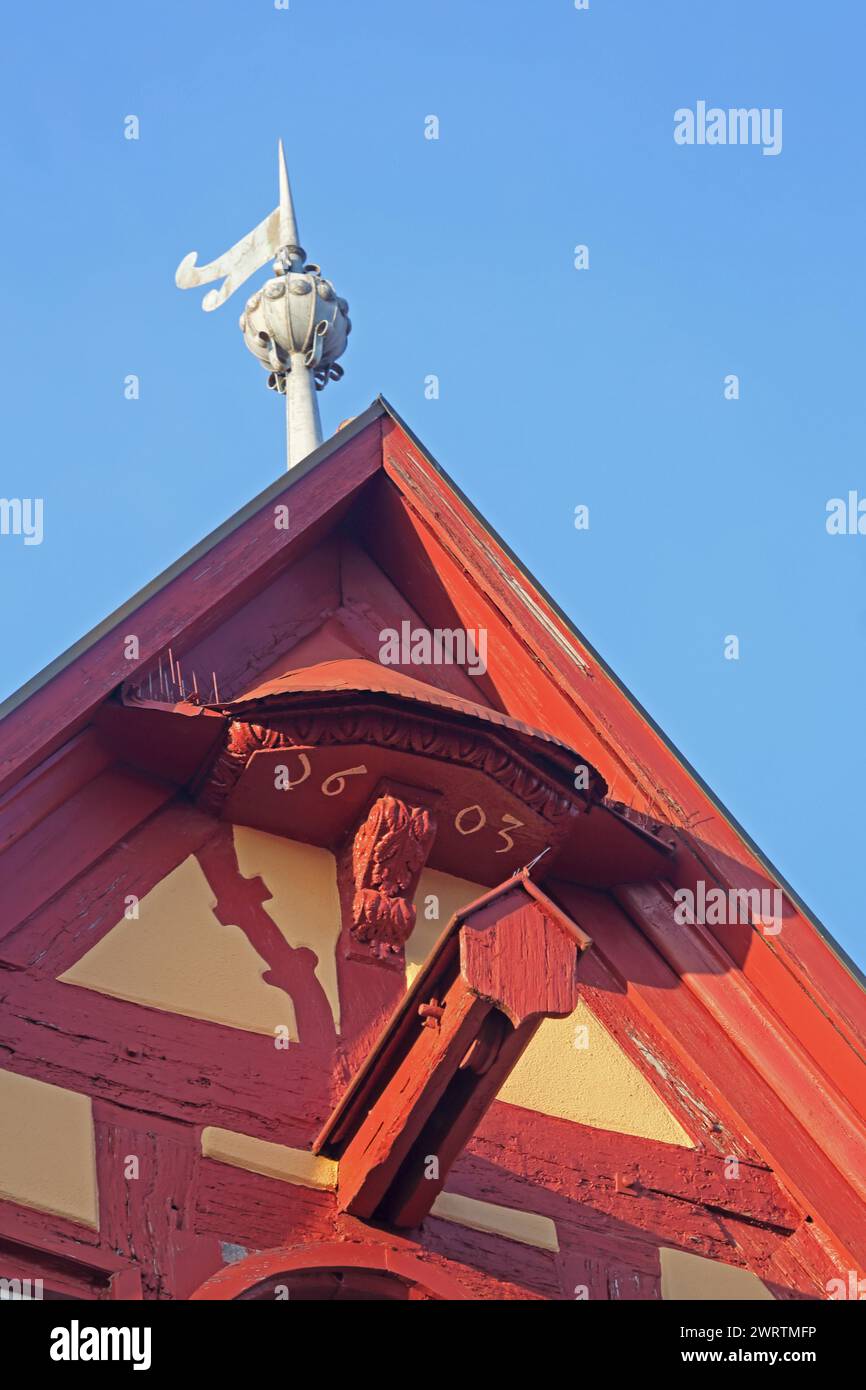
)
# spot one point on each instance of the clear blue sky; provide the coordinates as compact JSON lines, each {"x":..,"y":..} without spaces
{"x":558,"y":387}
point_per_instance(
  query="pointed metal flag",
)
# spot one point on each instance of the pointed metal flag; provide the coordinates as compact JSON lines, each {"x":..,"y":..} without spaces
{"x":277,"y":231}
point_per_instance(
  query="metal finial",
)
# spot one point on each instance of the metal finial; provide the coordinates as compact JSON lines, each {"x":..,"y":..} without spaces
{"x":296,"y":325}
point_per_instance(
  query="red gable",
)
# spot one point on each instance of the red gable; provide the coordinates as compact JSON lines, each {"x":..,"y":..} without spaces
{"x":116,"y":767}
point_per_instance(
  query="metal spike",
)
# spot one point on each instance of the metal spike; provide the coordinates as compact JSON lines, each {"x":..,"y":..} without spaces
{"x":288,"y":224}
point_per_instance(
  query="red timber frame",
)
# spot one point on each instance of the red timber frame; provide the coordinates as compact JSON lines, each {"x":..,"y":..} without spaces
{"x":757,"y":1042}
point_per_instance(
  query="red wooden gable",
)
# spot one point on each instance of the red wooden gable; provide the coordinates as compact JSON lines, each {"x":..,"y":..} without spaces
{"x":755,"y":1040}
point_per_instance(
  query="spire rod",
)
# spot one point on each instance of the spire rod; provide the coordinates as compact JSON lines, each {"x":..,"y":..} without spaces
{"x":289,"y":237}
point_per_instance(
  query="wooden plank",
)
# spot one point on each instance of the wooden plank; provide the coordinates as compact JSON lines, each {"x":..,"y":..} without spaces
{"x":41,"y":1230}
{"x":793,"y":968}
{"x":612,"y":1173}
{"x":258,"y":1212}
{"x":81,"y":914}
{"x":146,"y":1168}
{"x":598,"y":1218}
{"x":57,"y":1277}
{"x":33,"y":798}
{"x":255,"y":640}
{"x":515,"y":1272}
{"x":382,"y":1141}
{"x":705,"y":970}
{"x":154,"y":1062}
{"x":68,"y":840}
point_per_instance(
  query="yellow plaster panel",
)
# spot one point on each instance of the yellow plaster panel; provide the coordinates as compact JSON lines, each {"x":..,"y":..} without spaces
{"x":304,"y":902}
{"x":271,"y":1160}
{"x":595,"y":1085}
{"x":525,"y":1226}
{"x":179,"y":958}
{"x":47,"y":1149}
{"x":694,"y":1278}
{"x":451,"y":893}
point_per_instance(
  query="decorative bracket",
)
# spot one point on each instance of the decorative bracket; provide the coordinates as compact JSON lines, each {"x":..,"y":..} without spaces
{"x":503,"y":964}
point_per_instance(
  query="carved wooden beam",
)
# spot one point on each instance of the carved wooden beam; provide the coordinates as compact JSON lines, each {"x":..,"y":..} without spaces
{"x":503,"y":964}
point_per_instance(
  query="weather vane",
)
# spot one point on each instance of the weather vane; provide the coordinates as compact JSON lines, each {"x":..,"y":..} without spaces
{"x":296,"y":325}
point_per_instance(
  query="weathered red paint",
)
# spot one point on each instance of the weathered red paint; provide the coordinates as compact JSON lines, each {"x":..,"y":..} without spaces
{"x":755,"y":1042}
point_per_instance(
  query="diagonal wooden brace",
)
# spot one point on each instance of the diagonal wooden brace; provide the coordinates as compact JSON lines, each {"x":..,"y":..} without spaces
{"x":502,"y":965}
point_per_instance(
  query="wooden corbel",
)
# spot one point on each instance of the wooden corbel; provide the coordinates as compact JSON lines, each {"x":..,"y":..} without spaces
{"x":390,"y":848}
{"x":502,"y":965}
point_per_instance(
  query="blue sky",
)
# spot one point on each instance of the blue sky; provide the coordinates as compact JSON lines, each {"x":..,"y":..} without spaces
{"x":558,"y":387}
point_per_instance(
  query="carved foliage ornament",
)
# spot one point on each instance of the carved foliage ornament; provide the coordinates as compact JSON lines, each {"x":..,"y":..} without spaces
{"x":390,"y":850}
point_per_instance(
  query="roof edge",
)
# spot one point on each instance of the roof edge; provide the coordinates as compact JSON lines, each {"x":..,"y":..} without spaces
{"x":830,"y":941}
{"x":274,"y":489}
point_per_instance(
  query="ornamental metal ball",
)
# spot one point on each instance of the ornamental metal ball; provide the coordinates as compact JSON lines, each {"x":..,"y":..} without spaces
{"x":297,"y":314}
